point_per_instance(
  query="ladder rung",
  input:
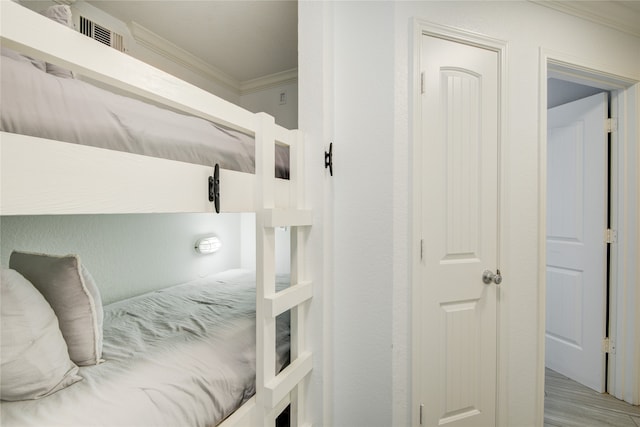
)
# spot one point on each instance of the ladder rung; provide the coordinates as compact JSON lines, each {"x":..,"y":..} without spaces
{"x":288,"y":218}
{"x":289,"y":298}
{"x":286,"y":380}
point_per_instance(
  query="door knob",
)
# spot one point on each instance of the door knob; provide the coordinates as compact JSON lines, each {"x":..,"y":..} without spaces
{"x":488,"y":276}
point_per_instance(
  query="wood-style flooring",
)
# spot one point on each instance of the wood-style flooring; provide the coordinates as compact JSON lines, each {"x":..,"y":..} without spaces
{"x":568,"y":404}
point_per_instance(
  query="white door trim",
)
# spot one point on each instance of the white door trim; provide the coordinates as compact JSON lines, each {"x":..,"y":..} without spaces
{"x":625,"y":205}
{"x":420,"y":28}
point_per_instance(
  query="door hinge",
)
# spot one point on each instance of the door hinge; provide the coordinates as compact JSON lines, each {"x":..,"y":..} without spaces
{"x":608,"y":346}
{"x":611,"y":125}
{"x":610,"y":236}
{"x":421,"y":249}
{"x":422,"y":82}
{"x":421,"y":408}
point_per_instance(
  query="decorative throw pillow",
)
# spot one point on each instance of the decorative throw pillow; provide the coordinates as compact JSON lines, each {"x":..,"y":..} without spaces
{"x":60,"y":13}
{"x":74,"y":297}
{"x":34,"y":361}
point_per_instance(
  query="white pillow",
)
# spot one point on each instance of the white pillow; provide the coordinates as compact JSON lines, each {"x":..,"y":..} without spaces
{"x":74,"y":297}
{"x":34,"y":361}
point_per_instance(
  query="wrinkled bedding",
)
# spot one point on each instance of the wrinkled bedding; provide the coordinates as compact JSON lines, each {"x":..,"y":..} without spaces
{"x":181,"y":356}
{"x":39,"y":104}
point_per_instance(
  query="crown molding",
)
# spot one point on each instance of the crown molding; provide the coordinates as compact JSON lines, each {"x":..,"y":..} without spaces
{"x":613,"y":14}
{"x":170,"y":51}
{"x":269,"y":81}
{"x":176,"y":54}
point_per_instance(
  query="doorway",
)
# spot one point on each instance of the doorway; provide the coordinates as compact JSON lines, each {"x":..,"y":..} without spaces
{"x":577,"y":218}
{"x":618,"y":314}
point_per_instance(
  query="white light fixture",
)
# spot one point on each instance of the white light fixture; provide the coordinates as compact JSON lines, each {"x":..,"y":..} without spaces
{"x":208,"y":245}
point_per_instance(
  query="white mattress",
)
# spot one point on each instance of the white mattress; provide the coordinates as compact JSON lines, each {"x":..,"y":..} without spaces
{"x":39,"y":104}
{"x":182,"y":356}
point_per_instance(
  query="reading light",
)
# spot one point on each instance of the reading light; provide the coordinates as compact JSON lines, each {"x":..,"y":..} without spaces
{"x":208,"y":245}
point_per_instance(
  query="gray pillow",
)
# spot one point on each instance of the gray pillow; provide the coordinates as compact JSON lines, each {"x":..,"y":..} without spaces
{"x":74,"y":297}
{"x":34,"y":361}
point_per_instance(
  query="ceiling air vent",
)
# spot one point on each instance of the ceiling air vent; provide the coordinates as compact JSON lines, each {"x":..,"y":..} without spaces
{"x":101,"y":34}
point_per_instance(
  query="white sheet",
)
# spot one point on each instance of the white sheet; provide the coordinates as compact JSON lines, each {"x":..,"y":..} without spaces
{"x":183,"y":356}
{"x":39,"y":104}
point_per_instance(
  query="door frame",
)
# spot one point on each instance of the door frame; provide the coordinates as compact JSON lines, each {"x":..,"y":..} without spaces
{"x":421,"y":28}
{"x":625,"y":195}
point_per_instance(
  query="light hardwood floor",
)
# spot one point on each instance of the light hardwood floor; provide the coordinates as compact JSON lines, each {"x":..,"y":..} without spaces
{"x":568,"y":404}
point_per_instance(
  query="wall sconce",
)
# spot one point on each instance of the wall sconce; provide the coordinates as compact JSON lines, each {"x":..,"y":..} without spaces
{"x":208,"y":245}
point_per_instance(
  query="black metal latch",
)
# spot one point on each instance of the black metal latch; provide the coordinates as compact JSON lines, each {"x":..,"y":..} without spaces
{"x":328,"y":159}
{"x":214,"y":188}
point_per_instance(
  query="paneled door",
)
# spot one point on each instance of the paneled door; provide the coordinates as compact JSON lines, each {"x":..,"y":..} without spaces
{"x":456,"y":360}
{"x":576,"y":247}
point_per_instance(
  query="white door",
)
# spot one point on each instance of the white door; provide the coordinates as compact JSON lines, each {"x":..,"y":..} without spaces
{"x":576,"y":248}
{"x":459,"y":208}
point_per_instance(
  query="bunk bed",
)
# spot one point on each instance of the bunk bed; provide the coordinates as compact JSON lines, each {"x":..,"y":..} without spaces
{"x":55,"y":174}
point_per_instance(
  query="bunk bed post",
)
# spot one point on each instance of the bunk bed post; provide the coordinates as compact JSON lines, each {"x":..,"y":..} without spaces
{"x":265,"y":265}
{"x":298,"y":314}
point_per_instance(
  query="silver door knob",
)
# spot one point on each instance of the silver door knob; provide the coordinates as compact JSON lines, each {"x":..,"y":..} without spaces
{"x":489,"y":276}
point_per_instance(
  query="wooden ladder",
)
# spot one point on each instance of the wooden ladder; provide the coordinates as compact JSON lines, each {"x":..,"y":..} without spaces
{"x":274,"y":392}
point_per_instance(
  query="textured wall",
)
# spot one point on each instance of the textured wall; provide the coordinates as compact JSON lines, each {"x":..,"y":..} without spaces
{"x":128,"y":254}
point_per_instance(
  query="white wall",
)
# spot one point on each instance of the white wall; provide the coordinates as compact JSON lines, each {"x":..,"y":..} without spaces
{"x":364,"y":206}
{"x":268,"y":101}
{"x":248,"y":245}
{"x":128,"y":254}
{"x":370,"y":291}
{"x":315,"y":65}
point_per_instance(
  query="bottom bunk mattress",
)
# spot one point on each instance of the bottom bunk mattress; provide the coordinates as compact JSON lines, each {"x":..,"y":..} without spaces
{"x":181,"y":356}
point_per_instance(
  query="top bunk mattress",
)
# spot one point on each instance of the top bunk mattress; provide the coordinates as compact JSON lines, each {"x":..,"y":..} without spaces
{"x":40,"y":104}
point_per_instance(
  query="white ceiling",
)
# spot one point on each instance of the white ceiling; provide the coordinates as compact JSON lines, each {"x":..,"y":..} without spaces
{"x":245,"y":39}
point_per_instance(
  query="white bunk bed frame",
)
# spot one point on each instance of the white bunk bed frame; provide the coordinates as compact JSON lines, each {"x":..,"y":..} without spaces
{"x":41,"y":176}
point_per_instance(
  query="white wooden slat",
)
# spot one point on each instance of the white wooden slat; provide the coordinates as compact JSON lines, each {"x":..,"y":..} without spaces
{"x":29,"y":32}
{"x":287,"y":380}
{"x":265,"y":285}
{"x":282,"y":196}
{"x":283,"y":136}
{"x":288,"y":218}
{"x":70,"y":178}
{"x":265,"y":264}
{"x":41,"y":176}
{"x":299,"y":313}
{"x":237,"y":191}
{"x":296,"y":168}
{"x":265,"y":160}
{"x":244,"y":416}
{"x":289,"y":298}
